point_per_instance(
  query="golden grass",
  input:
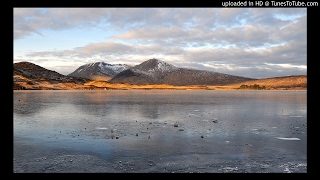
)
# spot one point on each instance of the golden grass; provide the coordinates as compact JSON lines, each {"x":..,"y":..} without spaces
{"x":288,"y":82}
{"x":279,"y":83}
{"x":107,"y":85}
{"x":100,"y":78}
{"x":20,"y":78}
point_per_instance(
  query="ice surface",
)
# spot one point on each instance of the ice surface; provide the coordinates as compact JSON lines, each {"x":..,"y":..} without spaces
{"x":103,"y":128}
{"x":141,"y":130}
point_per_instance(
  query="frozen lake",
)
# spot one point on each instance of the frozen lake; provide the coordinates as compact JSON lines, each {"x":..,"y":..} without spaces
{"x":160,"y":131}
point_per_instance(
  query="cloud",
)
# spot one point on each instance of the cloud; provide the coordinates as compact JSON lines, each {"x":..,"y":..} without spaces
{"x":294,"y":31}
{"x":28,"y":21}
{"x":250,"y":41}
{"x":109,"y":48}
{"x":247,"y":35}
{"x":163,"y":35}
{"x":231,"y":16}
{"x":90,"y":50}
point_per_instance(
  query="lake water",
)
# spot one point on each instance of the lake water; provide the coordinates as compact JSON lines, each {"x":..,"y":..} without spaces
{"x":163,"y":130}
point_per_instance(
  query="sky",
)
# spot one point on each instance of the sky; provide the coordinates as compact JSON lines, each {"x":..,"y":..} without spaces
{"x":249,"y":42}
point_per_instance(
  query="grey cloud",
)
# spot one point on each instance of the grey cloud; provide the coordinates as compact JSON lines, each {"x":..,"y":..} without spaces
{"x":244,"y":36}
{"x":109,"y":48}
{"x":27,"y":31}
{"x":37,"y":19}
{"x":282,"y":11}
{"x":255,"y":71}
{"x":33,"y":20}
{"x":225,"y":56}
{"x":270,"y":16}
{"x":42,"y":53}
{"x":293,"y":53}
{"x":236,"y":40}
{"x":63,"y":18}
{"x":28,"y":21}
{"x":147,"y":34}
{"x":296,"y":30}
{"x":90,"y":50}
{"x":105,"y":48}
{"x":229,"y":16}
{"x":158,"y":49}
{"x":55,"y":53}
{"x":23,"y":18}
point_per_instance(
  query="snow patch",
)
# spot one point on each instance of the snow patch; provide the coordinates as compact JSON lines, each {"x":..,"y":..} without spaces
{"x":163,"y":66}
{"x":116,"y":68}
{"x":103,"y":68}
{"x":148,"y":73}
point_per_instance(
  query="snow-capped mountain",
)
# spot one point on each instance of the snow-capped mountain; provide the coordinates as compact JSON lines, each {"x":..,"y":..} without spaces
{"x":99,"y":70}
{"x":154,"y":71}
{"x":154,"y":68}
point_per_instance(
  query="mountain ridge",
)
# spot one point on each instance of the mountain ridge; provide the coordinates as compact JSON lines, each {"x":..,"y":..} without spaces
{"x":99,"y":70}
{"x":27,"y":75}
{"x":154,"y":71}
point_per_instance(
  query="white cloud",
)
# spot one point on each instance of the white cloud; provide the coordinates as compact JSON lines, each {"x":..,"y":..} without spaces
{"x":250,"y":41}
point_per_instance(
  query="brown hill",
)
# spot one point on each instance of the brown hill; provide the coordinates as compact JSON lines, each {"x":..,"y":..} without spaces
{"x":281,"y":83}
{"x":27,"y":75}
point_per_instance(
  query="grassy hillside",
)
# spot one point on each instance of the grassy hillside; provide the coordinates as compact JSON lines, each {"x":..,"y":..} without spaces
{"x":279,"y":83}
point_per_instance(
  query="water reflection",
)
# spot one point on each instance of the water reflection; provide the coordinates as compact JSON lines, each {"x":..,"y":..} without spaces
{"x":243,"y":123}
{"x":31,"y":102}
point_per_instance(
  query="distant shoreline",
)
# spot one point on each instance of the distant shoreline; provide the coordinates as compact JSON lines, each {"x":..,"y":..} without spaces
{"x":154,"y":87}
{"x":277,"y":83}
{"x":29,"y":76}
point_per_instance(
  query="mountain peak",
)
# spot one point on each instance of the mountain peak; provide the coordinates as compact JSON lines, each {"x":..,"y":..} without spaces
{"x":154,"y":71}
{"x":153,"y":60}
{"x":156,"y":62}
{"x":99,"y":70}
{"x":27,"y":65}
{"x":154,"y":65}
